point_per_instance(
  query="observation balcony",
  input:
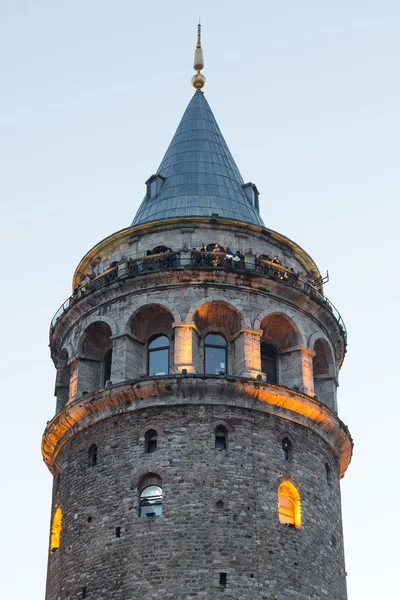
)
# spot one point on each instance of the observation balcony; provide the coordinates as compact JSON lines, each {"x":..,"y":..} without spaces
{"x":210,"y":261}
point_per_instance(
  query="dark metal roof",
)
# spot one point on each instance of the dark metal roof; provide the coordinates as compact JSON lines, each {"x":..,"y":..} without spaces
{"x":200,"y":176}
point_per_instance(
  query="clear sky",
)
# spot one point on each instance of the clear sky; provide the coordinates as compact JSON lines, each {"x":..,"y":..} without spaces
{"x":307,"y":97}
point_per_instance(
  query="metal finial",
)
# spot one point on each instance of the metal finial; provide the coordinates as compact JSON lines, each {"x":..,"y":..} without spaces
{"x":198,"y":80}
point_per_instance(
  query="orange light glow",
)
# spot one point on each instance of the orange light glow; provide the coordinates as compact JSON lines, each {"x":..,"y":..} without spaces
{"x":56,"y":529}
{"x":289,"y":506}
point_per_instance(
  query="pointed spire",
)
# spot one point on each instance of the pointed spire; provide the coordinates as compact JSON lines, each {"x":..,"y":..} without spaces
{"x":198,"y":176}
{"x":198,"y":80}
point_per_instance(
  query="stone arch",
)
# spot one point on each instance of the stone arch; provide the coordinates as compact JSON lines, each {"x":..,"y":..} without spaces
{"x":112,"y":323}
{"x":176,"y":317}
{"x":228,"y":426}
{"x":158,"y":428}
{"x":140,"y":475}
{"x":324,"y":373}
{"x":234,"y":304}
{"x":95,"y":356}
{"x":280,"y":330}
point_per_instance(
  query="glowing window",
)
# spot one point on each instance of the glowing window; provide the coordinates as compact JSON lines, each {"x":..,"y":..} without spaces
{"x":151,"y":441}
{"x":56,"y":530}
{"x":158,"y":356}
{"x":269,"y":362}
{"x":221,"y":438}
{"x":215,"y":354}
{"x":92,"y":455}
{"x":289,"y":504}
{"x":151,"y":501}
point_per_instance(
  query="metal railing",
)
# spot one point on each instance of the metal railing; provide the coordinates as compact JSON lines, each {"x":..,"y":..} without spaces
{"x":200,"y":260}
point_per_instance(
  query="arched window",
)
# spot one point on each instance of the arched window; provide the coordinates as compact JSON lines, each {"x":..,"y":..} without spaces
{"x":158,"y":356}
{"x":221,"y":438}
{"x":107,"y":361}
{"x":289,"y":504}
{"x":92,"y":455}
{"x":215,"y":354}
{"x":56,"y":528}
{"x":150,"y":441}
{"x":150,"y":504}
{"x":286,"y":449}
{"x":269,"y":362}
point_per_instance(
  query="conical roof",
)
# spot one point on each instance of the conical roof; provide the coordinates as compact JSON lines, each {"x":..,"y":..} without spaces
{"x":198,"y":176}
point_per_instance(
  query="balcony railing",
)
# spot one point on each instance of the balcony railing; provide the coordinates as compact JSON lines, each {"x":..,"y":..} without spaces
{"x":199,"y":260}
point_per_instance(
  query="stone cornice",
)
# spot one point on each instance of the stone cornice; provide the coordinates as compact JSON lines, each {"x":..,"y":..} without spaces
{"x":197,"y":389}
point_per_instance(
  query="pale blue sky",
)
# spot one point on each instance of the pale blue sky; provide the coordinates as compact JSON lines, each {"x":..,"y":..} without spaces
{"x":307,"y":97}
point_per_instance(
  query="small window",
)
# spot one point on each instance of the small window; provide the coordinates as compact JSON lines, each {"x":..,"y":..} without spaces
{"x":286,"y":449}
{"x":158,"y":356}
{"x":107,"y":366}
{"x":92,"y":455}
{"x":151,"y":501}
{"x":254,"y":198}
{"x":215,"y":354}
{"x":151,"y":441}
{"x":328,"y":471}
{"x":223,"y":579}
{"x":153,"y":188}
{"x":269,"y":362}
{"x":221,"y":438}
{"x":289,"y":505}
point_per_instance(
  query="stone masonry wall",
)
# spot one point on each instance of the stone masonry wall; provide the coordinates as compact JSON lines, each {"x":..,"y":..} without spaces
{"x":181,"y":554}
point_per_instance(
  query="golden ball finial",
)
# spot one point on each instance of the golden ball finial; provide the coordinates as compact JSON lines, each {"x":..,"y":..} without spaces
{"x":198,"y":81}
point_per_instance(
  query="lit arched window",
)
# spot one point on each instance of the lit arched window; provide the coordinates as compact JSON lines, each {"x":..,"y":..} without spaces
{"x":214,"y":354}
{"x":221,"y":438}
{"x":92,"y":455}
{"x":286,"y":449}
{"x":150,"y":504}
{"x":151,"y":441}
{"x":269,"y":362}
{"x":107,"y":361}
{"x":56,"y":528}
{"x":289,"y":504}
{"x":158,"y":356}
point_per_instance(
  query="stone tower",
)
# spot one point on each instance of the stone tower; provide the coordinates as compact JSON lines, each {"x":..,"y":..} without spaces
{"x":196,"y":446}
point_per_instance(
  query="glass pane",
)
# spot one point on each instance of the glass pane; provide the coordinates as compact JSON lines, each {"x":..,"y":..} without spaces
{"x":215,"y":360}
{"x":267,"y":351}
{"x":153,"y":188}
{"x":159,"y":342}
{"x":151,"y":490}
{"x":214,"y":339}
{"x":158,"y":362}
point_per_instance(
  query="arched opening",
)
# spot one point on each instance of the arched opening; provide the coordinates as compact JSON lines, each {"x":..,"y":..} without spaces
{"x":289,"y":508}
{"x":217,"y":323}
{"x":324,"y":374}
{"x":158,"y":356}
{"x":215,"y":354}
{"x":96,"y":357}
{"x":280,"y":336}
{"x":63,"y":380}
{"x":107,"y":362}
{"x":92,"y":456}
{"x":150,"y":344}
{"x":221,"y":438}
{"x":56,"y":528}
{"x":269,"y":362}
{"x":150,"y":441}
{"x":287,"y":449}
{"x":150,"y":496}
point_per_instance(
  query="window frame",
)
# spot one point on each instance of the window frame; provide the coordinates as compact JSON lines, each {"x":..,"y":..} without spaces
{"x":154,"y":497}
{"x":162,"y":348}
{"x":216,"y":346}
{"x":270,"y":361}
